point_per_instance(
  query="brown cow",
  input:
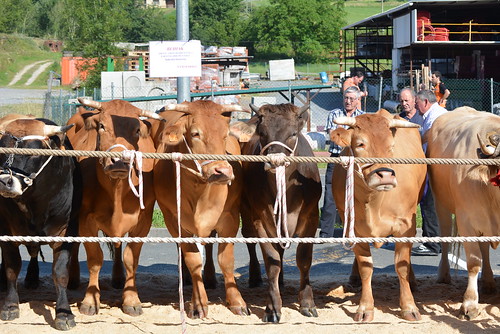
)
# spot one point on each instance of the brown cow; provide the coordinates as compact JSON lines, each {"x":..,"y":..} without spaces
{"x":109,"y":203}
{"x":467,"y":192}
{"x":277,"y":129}
{"x":210,"y":190}
{"x":385,"y":196}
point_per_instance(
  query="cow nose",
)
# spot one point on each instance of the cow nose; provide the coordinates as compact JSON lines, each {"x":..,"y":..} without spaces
{"x":384,"y":171}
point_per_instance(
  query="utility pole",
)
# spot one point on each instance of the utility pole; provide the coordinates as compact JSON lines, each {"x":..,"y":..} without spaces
{"x":182,"y":14}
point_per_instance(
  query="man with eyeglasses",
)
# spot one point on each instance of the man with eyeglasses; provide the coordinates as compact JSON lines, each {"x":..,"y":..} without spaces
{"x":329,"y":216}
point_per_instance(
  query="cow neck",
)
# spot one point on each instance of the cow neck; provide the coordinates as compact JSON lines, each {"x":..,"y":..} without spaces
{"x":28,"y":179}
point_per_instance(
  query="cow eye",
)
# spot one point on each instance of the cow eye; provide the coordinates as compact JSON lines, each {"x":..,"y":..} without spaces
{"x":294,"y":134}
{"x":195,"y":134}
{"x":100,"y":127}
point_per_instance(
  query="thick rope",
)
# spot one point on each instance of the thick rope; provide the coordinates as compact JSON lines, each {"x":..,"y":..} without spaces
{"x":280,"y":207}
{"x":177,"y":158}
{"x":253,"y":158}
{"x":213,"y":240}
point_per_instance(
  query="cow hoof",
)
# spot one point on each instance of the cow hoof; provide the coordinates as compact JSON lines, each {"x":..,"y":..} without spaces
{"x":88,"y":309}
{"x":132,"y":310}
{"x":364,"y":316}
{"x":411,"y":315}
{"x":199,"y":313}
{"x":271,"y":316}
{"x":309,"y":311}
{"x":240,"y":310}
{"x":9,"y":312}
{"x":468,"y":314}
{"x":65,"y":321}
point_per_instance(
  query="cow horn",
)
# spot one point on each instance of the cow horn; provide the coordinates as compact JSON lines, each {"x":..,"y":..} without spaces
{"x":150,"y":114}
{"x":51,"y":130}
{"x":399,"y":123}
{"x":486,"y":149}
{"x":90,"y":103}
{"x":303,"y":109}
{"x":177,"y":107}
{"x":231,"y":107}
{"x":254,"y":108}
{"x":351,"y":121}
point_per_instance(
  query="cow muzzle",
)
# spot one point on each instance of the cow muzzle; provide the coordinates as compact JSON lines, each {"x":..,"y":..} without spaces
{"x":220,"y":172}
{"x":11,"y":186}
{"x":116,"y":168}
{"x":382,"y":179}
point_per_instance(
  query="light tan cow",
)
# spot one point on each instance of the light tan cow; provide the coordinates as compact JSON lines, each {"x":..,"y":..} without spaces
{"x":467,"y":192}
{"x":210,"y":190}
{"x":109,"y":203}
{"x":385,"y":196}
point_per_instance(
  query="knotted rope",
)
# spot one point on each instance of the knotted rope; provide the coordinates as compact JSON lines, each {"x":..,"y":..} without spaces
{"x":132,"y":156}
{"x":280,"y":208}
{"x":348,"y":163}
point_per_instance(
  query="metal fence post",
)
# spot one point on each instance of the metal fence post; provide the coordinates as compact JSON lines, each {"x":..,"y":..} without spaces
{"x":491,"y":95}
{"x":380,"y":93}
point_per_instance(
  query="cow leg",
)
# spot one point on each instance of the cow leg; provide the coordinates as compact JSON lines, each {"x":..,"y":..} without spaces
{"x":131,"y":302}
{"x":234,"y":299}
{"x":74,"y":267}
{"x":199,"y":300}
{"x":445,"y":225}
{"x":12,"y":263}
{"x":209,"y":277}
{"x":65,"y":319}
{"x":254,"y":272}
{"x":402,"y":253}
{"x":488,"y":285}
{"x":90,"y":304}
{"x":470,"y":305}
{"x":118,"y":273}
{"x":273,"y":267}
{"x":354,"y":278}
{"x":364,"y":260}
{"x":3,"y":276}
{"x":306,"y":299}
{"x":32,"y":279}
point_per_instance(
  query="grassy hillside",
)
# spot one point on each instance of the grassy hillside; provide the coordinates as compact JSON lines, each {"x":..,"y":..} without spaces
{"x":358,"y":10}
{"x":18,"y":51}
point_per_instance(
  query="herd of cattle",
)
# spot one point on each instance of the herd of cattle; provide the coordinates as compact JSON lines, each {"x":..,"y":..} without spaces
{"x":69,"y":196}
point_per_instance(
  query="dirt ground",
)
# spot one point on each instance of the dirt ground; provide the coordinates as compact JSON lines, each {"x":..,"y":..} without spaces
{"x":438,"y":303}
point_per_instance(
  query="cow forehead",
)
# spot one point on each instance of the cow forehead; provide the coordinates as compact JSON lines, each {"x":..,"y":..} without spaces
{"x":25,"y":127}
{"x":373,"y":127}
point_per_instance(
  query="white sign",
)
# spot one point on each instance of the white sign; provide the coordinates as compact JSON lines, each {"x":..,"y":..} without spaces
{"x":282,"y":69}
{"x":175,"y":59}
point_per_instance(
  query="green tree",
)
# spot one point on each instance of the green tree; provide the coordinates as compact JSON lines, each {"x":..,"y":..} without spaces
{"x":295,"y":29}
{"x":91,"y":28}
{"x":15,"y":16}
{"x":151,"y":24}
{"x":216,"y":22}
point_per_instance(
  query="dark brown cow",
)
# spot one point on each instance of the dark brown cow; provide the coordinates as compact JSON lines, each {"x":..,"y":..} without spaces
{"x":385,"y":196}
{"x":210,"y":190}
{"x":109,"y":203}
{"x":277,"y":129}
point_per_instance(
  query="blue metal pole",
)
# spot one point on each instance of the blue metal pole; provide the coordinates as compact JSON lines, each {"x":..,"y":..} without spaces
{"x":182,"y":8}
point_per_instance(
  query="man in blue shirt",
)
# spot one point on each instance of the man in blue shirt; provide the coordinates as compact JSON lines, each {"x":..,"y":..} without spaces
{"x":352,"y":102}
{"x":429,"y":110}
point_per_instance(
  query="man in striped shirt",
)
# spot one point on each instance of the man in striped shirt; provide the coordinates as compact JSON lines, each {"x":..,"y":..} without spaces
{"x":351,"y":99}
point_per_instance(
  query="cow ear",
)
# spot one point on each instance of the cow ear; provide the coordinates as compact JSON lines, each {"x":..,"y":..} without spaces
{"x":90,"y":121}
{"x":145,"y":129}
{"x":243,"y":131}
{"x":341,"y":137}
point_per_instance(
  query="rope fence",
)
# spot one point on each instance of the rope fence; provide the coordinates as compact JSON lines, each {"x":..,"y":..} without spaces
{"x":248,"y":158}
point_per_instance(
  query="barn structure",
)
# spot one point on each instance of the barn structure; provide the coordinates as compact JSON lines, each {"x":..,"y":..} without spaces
{"x":461,"y":39}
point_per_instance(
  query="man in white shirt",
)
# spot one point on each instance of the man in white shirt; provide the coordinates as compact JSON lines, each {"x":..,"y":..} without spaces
{"x":429,"y":108}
